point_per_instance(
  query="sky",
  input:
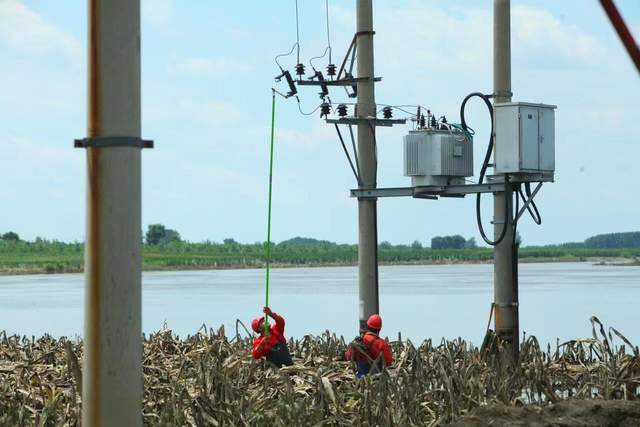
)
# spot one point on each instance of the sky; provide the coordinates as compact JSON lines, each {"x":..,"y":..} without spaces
{"x":207,"y":71}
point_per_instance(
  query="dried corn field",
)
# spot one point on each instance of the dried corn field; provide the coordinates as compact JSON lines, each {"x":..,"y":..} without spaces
{"x":210,"y":379}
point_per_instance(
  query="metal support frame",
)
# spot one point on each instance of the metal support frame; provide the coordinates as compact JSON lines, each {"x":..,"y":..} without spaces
{"x":528,"y":202}
{"x":371,"y":120}
{"x":356,"y":168}
{"x":342,"y":82}
{"x":350,"y":51}
{"x":494,"y":184}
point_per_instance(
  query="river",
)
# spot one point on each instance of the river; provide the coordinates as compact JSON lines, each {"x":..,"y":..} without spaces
{"x":556,"y":300}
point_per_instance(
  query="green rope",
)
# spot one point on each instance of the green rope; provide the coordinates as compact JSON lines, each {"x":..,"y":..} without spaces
{"x":273,"y":121}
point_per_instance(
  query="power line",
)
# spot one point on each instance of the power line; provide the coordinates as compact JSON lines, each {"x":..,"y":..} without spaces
{"x":297,"y":32}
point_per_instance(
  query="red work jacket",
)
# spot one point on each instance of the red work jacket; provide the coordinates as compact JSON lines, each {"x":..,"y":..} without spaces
{"x":375,"y":346}
{"x":276,"y":336}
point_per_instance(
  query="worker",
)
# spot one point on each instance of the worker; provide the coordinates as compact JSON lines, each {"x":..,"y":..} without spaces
{"x":370,"y":353}
{"x":273,"y":346}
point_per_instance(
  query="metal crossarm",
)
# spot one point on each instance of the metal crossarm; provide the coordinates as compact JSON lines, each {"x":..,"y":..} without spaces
{"x":372,"y":120}
{"x":494,"y":184}
{"x":342,"y":82}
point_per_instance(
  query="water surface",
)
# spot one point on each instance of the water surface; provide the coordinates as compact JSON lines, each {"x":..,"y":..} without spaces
{"x":556,"y":300}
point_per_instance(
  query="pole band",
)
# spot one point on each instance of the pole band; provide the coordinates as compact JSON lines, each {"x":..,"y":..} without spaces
{"x":113,"y":141}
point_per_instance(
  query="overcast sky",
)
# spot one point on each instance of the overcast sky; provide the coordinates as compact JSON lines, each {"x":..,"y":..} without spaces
{"x":207,"y":70}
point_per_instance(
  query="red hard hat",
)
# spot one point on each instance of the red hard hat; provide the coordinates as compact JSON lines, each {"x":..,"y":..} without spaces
{"x":255,"y":324}
{"x":374,"y":321}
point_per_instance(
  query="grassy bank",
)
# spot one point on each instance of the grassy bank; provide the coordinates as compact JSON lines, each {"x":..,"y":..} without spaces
{"x":57,"y":257}
{"x":210,"y":379}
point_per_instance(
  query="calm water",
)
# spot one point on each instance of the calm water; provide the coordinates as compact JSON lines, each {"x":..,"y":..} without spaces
{"x":556,"y":300}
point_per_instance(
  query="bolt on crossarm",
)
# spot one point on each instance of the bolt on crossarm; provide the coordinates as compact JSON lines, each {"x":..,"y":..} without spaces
{"x":367,"y":207}
{"x":505,"y":253}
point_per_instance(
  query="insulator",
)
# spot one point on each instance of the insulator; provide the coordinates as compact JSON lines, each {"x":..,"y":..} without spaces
{"x":443,"y":125}
{"x":422,"y":121}
{"x":331,"y":70}
{"x":325,"y":109}
{"x":342,"y":110}
{"x":433,"y":123}
{"x":300,"y":69}
{"x":387,"y":112}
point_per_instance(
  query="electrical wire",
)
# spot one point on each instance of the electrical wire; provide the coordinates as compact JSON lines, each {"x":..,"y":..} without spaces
{"x":483,"y":170}
{"x":535,"y":214}
{"x":375,"y":149}
{"x":514,"y":225}
{"x":279,"y":93}
{"x":309,"y":113}
{"x":328,"y":49}
{"x":297,"y":32}
{"x":283,"y":55}
{"x":527,"y":189}
{"x":402,"y":108}
{"x":328,"y":38}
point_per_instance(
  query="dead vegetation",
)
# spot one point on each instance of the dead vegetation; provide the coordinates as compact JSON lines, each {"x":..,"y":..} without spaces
{"x":210,"y":379}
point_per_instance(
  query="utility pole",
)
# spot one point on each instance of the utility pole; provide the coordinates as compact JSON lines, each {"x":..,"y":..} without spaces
{"x":112,"y":373}
{"x":367,"y":207}
{"x":505,"y":254}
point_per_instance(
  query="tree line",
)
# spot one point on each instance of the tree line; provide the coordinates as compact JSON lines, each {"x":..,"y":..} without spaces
{"x":158,"y":235}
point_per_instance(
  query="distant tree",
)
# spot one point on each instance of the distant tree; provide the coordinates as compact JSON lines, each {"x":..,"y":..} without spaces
{"x":229,"y":241}
{"x":448,"y":242}
{"x":158,"y":234}
{"x":170,"y":236}
{"x":614,"y":240}
{"x":155,"y":233}
{"x":471,"y":243}
{"x":416,"y":245}
{"x":385,"y":245}
{"x":10,"y":236}
{"x":305,"y":241}
{"x":570,"y":245}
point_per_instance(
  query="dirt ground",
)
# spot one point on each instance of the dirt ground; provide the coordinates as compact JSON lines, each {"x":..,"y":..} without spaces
{"x":568,"y":413}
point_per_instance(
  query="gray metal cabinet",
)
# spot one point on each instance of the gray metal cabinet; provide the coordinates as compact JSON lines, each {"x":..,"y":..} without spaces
{"x":524,"y":137}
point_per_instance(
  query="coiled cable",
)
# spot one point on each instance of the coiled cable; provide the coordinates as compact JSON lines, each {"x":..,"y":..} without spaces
{"x":483,"y":171}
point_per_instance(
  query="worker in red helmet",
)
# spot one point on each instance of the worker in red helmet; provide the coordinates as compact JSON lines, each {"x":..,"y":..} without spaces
{"x":370,"y":353}
{"x":273,"y":346}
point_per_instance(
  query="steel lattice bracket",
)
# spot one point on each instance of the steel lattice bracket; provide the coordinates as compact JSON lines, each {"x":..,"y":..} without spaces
{"x":113,"y":141}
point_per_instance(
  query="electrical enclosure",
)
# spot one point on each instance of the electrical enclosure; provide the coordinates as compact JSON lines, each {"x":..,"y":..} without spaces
{"x":438,"y":157}
{"x":524,"y":137}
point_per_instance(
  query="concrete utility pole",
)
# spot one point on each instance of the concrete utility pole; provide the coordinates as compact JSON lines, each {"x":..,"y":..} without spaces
{"x":505,"y":255}
{"x":112,"y":374}
{"x":367,"y":208}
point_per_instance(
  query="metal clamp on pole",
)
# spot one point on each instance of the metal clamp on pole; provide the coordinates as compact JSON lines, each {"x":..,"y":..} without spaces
{"x":505,"y":304}
{"x":113,"y":141}
{"x":501,"y":94}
